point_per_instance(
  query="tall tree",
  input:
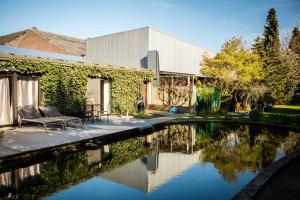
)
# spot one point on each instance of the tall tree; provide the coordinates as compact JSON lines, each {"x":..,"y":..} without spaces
{"x":271,"y":59}
{"x":294,"y":44}
{"x":271,"y":41}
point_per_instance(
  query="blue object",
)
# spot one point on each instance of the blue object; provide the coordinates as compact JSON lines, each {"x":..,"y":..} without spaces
{"x":173,"y":110}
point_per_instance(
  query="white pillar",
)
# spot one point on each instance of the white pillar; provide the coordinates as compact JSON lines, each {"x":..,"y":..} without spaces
{"x":149,"y":93}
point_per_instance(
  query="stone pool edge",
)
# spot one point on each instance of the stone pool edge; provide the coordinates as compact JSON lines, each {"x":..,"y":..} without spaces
{"x":263,"y":177}
{"x":118,"y":135}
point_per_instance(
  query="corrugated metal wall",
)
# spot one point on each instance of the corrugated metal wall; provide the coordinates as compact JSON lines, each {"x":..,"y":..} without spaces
{"x":130,"y":48}
{"x":175,"y":55}
{"x":126,"y":49}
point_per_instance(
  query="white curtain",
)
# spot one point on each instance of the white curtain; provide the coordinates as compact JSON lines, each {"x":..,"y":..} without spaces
{"x":28,"y":92}
{"x":107,"y":95}
{"x":5,"y":102}
{"x":93,"y":91}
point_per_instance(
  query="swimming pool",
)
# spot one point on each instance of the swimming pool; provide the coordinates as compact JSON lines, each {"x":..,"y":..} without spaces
{"x":181,"y":161}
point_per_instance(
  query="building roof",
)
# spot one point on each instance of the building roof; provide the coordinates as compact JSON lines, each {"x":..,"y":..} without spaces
{"x":36,"y":39}
{"x":7,"y":57}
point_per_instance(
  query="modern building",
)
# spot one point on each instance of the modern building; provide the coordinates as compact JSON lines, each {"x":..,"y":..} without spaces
{"x":160,"y":166}
{"x":146,"y":48}
{"x":175,"y":61}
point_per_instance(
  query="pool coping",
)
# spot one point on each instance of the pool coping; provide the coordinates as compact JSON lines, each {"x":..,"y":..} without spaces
{"x":103,"y":139}
{"x":264,"y":176}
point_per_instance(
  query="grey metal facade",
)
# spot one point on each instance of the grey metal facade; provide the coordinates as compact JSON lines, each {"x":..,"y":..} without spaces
{"x":130,"y":49}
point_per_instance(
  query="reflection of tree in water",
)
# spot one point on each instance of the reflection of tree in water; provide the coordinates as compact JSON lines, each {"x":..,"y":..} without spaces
{"x":71,"y":168}
{"x":236,"y":149}
{"x":291,"y":143}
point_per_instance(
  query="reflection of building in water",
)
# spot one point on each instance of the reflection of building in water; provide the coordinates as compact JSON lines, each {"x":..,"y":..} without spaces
{"x":178,"y":138}
{"x":14,"y":178}
{"x":97,"y":155}
{"x":5,"y":179}
{"x":144,"y":174}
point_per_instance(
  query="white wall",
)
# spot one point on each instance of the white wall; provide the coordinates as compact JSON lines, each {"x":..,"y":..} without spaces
{"x":130,"y":48}
{"x":175,"y":55}
{"x":126,"y":49}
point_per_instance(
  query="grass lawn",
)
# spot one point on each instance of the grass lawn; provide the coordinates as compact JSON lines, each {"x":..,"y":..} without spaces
{"x":284,"y":114}
{"x":280,"y":114}
{"x":285,"y":109}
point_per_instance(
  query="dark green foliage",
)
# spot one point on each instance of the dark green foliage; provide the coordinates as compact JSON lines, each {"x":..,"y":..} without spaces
{"x":272,"y":66}
{"x":294,"y":44}
{"x":280,"y":79}
{"x":64,"y":85}
{"x":258,"y":47}
{"x":65,"y":88}
{"x":271,"y":40}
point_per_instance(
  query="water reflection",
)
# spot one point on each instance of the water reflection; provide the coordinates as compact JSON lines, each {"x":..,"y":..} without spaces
{"x":150,"y":162}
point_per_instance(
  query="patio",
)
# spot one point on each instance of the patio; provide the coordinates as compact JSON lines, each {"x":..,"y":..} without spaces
{"x":33,"y":138}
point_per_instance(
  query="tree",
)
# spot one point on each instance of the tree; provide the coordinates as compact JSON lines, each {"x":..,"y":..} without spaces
{"x":288,"y":76}
{"x":258,"y":47}
{"x":273,"y":68}
{"x":271,"y":41}
{"x":294,"y":44}
{"x":234,"y":69}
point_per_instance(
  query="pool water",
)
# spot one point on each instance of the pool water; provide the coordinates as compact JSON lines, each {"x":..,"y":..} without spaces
{"x":182,"y":161}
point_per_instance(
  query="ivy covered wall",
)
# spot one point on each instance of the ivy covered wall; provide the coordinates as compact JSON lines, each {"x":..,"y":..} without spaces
{"x":64,"y":84}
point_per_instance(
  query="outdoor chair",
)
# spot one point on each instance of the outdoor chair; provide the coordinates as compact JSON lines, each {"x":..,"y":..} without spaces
{"x":29,"y":113}
{"x":52,"y":111}
{"x":102,"y":112}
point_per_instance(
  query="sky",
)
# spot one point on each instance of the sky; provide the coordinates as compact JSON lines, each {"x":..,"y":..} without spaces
{"x":207,"y":23}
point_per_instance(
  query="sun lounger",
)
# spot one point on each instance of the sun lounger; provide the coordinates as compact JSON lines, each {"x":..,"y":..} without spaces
{"x":29,"y":113}
{"x":52,"y":111}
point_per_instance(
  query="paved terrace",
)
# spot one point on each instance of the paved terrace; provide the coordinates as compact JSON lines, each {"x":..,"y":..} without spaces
{"x":34,"y":138}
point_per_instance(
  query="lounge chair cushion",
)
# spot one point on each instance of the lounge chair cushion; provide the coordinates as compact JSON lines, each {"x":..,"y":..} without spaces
{"x":30,"y":112}
{"x":50,"y":111}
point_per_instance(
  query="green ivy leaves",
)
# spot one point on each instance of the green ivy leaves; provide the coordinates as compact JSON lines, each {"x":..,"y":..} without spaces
{"x":64,"y":85}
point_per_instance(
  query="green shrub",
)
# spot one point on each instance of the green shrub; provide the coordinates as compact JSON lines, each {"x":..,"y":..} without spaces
{"x":279,"y":118}
{"x":208,"y":99}
{"x":255,"y":115}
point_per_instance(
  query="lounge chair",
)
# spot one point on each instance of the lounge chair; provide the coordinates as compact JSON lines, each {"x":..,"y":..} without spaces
{"x":29,"y":113}
{"x":52,"y":111}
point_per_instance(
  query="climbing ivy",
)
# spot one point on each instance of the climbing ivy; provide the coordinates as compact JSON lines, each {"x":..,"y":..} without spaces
{"x":64,"y":84}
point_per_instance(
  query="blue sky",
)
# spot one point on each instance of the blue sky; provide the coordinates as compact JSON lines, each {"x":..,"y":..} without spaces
{"x":207,"y":23}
